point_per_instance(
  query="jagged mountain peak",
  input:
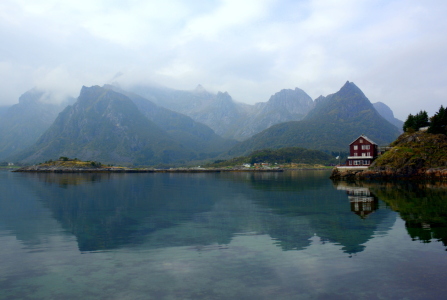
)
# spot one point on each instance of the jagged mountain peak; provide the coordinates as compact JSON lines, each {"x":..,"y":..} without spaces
{"x":200,"y":89}
{"x":350,"y":88}
{"x":92,"y":96}
{"x":223,"y":97}
{"x":288,"y":101}
{"x":31,"y":96}
{"x":347,"y":103}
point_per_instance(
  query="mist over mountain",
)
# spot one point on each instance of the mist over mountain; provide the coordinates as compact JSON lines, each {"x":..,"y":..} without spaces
{"x":108,"y":126}
{"x":112,"y":125}
{"x":3,"y":110}
{"x":182,"y":128}
{"x":334,"y":122}
{"x":285,"y":105}
{"x":386,"y":112}
{"x":226,"y":117}
{"x":23,"y":123}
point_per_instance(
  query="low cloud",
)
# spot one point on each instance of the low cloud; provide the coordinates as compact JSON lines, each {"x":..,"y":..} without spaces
{"x":394,"y":50}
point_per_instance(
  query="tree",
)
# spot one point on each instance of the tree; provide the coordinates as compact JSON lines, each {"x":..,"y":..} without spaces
{"x":409,"y":123}
{"x":416,"y":122}
{"x":439,"y":122}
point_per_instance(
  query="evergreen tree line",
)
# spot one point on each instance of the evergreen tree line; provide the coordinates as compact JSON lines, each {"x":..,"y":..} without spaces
{"x":436,"y":124}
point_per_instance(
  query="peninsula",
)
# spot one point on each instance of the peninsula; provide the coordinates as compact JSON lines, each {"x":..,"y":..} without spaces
{"x":414,"y":155}
{"x":67,"y":165}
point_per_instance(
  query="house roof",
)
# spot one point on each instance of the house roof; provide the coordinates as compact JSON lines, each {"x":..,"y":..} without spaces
{"x":365,"y":137}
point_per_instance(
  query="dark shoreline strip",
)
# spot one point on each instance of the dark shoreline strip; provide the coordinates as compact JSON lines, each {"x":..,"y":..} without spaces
{"x":143,"y":171}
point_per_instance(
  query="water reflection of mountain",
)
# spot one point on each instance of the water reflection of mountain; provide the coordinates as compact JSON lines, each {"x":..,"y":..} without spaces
{"x":422,"y":206}
{"x":107,"y":211}
{"x":327,"y":212}
{"x":112,"y":210}
{"x":21,"y":214}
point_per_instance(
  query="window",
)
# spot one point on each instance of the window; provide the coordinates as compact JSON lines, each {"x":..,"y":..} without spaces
{"x":355,"y":154}
{"x":355,"y":147}
{"x":365,"y":147}
{"x":361,"y":140}
{"x":369,"y":154}
{"x":363,"y":154}
{"x":350,"y":162}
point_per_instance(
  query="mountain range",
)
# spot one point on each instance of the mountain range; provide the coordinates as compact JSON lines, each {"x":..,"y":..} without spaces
{"x":227,"y":117}
{"x":108,"y":126}
{"x":150,"y":125}
{"x":334,"y":122}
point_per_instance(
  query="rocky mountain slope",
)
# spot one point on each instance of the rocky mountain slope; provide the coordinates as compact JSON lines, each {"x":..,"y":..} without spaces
{"x":3,"y":110}
{"x":386,"y":112}
{"x":225,"y":116}
{"x":107,"y":126}
{"x":182,"y":128}
{"x":335,"y":122}
{"x":23,"y":123}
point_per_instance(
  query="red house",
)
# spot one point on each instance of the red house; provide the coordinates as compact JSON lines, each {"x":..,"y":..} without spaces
{"x":362,"y":151}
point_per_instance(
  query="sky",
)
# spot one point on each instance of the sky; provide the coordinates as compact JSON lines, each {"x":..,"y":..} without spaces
{"x":394,"y":51}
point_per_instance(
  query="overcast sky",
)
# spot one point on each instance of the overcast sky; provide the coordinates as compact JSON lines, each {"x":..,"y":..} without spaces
{"x":395,"y":51}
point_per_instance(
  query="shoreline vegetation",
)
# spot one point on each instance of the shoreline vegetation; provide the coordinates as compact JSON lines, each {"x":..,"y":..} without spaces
{"x":420,"y":153}
{"x":66,"y":165}
{"x":416,"y":155}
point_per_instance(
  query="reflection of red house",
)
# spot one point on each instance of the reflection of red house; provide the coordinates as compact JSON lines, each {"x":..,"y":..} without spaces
{"x":362,"y":151}
{"x":362,"y":201}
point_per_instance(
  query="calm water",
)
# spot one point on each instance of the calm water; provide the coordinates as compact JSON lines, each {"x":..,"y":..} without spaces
{"x":293,"y":235}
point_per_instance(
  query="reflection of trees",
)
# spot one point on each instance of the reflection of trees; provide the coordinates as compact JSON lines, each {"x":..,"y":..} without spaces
{"x":312,"y":203}
{"x":66,"y":179}
{"x":422,"y":206}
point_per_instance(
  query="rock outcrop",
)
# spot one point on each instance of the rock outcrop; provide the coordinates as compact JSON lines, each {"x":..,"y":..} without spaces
{"x":418,"y":155}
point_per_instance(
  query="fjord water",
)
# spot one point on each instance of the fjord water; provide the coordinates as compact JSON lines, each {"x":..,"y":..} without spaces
{"x":291,"y":235}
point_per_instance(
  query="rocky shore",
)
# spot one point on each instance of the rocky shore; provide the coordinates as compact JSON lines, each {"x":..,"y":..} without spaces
{"x":384,"y":173}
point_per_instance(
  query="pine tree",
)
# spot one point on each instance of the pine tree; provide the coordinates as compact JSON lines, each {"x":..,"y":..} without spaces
{"x":417,"y":121}
{"x":439,"y":122}
{"x":409,"y":123}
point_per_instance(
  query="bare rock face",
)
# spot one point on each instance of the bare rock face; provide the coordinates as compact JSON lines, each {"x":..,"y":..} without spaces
{"x":388,"y":114}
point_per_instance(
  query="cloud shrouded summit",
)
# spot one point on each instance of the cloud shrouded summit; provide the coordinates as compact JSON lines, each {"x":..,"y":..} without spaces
{"x":251,"y":49}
